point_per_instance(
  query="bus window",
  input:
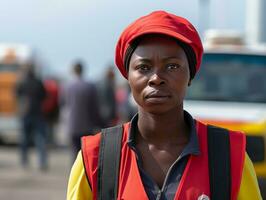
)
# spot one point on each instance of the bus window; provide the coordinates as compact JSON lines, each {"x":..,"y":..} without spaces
{"x":9,"y":67}
{"x":230,"y":77}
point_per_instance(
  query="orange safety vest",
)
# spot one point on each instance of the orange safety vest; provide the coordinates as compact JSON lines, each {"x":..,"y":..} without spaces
{"x":194,"y":181}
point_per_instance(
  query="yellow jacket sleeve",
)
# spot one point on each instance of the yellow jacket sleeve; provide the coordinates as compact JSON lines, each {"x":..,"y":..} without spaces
{"x":78,"y":187}
{"x":249,"y":188}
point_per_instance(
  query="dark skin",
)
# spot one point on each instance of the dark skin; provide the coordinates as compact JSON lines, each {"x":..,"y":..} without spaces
{"x":159,"y":76}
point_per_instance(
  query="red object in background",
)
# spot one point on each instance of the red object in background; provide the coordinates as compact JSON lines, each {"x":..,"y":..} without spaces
{"x":50,"y":103}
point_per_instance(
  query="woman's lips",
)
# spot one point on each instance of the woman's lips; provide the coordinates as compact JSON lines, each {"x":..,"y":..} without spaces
{"x":157,"y":97}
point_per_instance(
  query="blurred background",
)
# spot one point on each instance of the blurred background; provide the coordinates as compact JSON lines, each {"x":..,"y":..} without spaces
{"x":43,"y":42}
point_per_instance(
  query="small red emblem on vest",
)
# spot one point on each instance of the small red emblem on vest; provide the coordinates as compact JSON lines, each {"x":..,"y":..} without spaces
{"x":203,"y":197}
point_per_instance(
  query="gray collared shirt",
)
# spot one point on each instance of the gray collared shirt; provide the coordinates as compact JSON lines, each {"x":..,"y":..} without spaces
{"x":173,"y":177}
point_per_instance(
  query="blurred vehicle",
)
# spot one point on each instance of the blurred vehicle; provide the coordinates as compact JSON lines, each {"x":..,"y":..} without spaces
{"x":12,"y":58}
{"x":231,"y":92}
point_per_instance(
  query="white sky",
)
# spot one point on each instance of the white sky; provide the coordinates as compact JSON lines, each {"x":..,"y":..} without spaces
{"x":63,"y":30}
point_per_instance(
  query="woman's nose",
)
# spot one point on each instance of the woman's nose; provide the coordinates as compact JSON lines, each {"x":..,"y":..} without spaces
{"x":156,"y":79}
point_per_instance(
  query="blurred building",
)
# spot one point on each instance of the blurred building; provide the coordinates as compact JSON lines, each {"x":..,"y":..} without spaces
{"x":255,"y":21}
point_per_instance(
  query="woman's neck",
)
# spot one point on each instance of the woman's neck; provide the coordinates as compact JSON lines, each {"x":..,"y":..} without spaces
{"x":162,"y":129}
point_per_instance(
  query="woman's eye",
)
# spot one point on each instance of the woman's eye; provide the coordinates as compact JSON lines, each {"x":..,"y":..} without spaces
{"x":172,"y":66}
{"x":143,"y":67}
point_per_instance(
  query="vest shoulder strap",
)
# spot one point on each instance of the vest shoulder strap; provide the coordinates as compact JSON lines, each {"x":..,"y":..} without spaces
{"x":219,"y":163}
{"x":108,"y":163}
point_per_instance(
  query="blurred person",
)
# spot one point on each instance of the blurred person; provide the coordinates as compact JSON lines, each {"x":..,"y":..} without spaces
{"x":31,"y":94}
{"x":107,"y":88}
{"x":80,"y":99}
{"x":50,"y":107}
{"x":163,"y":153}
{"x":126,"y":107}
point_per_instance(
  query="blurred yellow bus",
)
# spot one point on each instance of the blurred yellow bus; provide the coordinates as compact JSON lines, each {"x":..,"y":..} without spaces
{"x":230,"y":91}
{"x":12,"y":58}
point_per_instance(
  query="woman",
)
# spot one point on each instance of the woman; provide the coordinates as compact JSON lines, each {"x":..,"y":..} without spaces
{"x":165,"y":153}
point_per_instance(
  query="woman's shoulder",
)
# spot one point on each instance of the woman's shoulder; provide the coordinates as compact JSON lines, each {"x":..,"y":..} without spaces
{"x":210,"y":127}
{"x":93,"y":141}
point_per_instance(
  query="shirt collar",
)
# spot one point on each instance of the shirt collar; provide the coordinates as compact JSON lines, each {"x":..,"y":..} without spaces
{"x":192,"y":146}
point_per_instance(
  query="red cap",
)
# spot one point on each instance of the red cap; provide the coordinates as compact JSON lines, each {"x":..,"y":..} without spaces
{"x":163,"y":23}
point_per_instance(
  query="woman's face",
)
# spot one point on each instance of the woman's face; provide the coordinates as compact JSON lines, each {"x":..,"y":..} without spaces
{"x":158,"y":74}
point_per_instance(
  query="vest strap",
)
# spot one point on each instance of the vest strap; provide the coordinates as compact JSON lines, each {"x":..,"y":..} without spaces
{"x":109,"y":161}
{"x":219,"y":163}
